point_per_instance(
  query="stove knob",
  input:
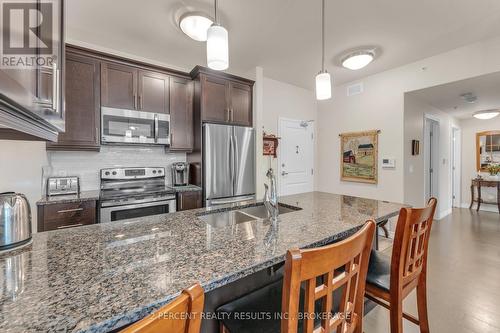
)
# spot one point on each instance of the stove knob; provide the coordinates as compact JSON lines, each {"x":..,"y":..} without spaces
{"x":154,"y":171}
{"x":107,"y":173}
{"x":159,"y":171}
{"x":114,"y":173}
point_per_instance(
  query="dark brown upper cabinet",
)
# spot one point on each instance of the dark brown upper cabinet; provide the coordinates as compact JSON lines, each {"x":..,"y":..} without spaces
{"x":214,"y":99}
{"x":181,"y":114}
{"x":153,"y":92}
{"x":223,"y":98}
{"x":119,"y":86}
{"x":82,"y":104}
{"x":32,"y":96}
{"x":241,"y":103}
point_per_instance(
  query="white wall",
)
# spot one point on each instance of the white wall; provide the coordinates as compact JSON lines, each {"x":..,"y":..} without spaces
{"x":21,"y":170}
{"x":414,"y":167}
{"x":280,"y":99}
{"x":469,"y":129}
{"x":381,"y":106}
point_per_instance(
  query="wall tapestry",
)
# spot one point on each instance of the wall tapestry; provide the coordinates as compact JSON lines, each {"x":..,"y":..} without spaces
{"x":359,"y":156}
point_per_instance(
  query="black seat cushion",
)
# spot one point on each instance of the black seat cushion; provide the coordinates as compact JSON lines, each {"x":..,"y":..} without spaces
{"x":260,"y":310}
{"x":379,"y":271}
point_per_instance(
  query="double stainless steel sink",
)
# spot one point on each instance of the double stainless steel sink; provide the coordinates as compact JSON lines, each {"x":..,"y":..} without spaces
{"x":237,"y":216}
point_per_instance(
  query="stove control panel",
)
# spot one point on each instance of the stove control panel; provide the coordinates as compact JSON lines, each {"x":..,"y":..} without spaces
{"x":132,"y":173}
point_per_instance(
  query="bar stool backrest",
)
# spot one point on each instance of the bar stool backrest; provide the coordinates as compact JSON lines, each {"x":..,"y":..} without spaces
{"x":411,"y":242}
{"x":182,"y":315}
{"x":323,"y":270}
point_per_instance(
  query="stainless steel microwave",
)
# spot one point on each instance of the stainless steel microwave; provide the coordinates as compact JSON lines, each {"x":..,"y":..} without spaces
{"x":134,"y":127}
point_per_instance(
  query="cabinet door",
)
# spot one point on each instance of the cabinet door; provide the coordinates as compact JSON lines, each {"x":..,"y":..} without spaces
{"x":241,"y":104}
{"x":188,"y":200}
{"x":118,"y":86}
{"x":214,"y":97}
{"x":82,"y":105}
{"x":181,"y":114}
{"x":153,"y":92}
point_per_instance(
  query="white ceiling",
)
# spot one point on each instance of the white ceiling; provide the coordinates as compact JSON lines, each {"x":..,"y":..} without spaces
{"x":447,"y":98}
{"x":283,"y":36}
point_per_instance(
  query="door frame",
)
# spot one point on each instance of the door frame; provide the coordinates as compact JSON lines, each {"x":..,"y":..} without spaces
{"x":312,"y":130}
{"x":456,"y":161}
{"x":427,"y":157}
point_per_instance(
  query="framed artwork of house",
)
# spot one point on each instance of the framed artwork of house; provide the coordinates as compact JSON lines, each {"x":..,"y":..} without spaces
{"x":359,"y":157}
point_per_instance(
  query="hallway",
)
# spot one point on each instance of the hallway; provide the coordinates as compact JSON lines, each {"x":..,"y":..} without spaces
{"x":463,"y":277}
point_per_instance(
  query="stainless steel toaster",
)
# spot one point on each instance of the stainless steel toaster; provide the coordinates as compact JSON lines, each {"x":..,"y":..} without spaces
{"x":63,"y":185}
{"x":15,"y":220}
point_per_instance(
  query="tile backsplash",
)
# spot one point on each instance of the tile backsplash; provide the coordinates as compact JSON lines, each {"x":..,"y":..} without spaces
{"x":87,"y":165}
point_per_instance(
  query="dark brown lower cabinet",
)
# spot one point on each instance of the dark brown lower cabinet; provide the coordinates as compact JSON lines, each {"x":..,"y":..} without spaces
{"x":82,"y":104}
{"x":56,"y":216}
{"x":189,"y":200}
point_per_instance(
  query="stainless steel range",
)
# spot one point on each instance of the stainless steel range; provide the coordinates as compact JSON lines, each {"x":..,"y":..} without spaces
{"x":134,"y":192}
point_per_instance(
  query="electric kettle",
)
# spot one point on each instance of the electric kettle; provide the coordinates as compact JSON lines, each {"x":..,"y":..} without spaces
{"x":15,"y":220}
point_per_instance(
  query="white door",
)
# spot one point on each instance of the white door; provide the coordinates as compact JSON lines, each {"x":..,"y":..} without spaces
{"x":296,"y":156}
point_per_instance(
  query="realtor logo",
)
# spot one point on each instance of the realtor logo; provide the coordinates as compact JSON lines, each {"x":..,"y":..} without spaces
{"x":27,"y":33}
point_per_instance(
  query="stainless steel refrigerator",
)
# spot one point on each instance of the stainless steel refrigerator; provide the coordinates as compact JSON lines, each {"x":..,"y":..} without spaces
{"x":229,"y":164}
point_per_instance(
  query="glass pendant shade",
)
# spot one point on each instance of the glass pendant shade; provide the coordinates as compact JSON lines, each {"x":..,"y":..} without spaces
{"x":323,"y":86}
{"x":217,"y":48}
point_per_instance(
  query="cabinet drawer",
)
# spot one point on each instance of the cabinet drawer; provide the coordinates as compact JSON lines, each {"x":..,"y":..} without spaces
{"x":67,"y":215}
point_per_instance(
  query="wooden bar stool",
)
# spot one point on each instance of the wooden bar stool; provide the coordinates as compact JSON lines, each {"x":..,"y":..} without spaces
{"x":331,"y":298}
{"x":182,"y":315}
{"x":390,"y":280}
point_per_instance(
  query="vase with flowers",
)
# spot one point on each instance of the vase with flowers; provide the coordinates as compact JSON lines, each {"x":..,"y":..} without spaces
{"x":493,"y":169}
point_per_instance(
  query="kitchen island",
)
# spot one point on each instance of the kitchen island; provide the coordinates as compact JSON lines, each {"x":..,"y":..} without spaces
{"x":102,"y":277}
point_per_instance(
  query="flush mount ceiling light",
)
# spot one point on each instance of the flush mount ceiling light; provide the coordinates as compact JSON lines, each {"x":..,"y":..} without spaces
{"x":323,"y":80}
{"x":217,"y":45}
{"x":358,"y":59}
{"x":195,"y":25}
{"x":487,"y":114}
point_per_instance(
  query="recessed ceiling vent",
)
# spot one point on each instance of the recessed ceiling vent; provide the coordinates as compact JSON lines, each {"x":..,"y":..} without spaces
{"x":355,"y":89}
{"x":469,"y":97}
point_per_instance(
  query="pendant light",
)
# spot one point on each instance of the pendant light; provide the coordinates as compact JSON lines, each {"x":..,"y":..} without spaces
{"x":323,"y":80}
{"x":217,"y":45}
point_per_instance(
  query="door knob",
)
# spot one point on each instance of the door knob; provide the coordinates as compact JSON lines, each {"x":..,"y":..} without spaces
{"x":283,"y":173}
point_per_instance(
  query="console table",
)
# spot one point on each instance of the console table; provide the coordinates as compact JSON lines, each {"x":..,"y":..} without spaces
{"x":479,"y":183}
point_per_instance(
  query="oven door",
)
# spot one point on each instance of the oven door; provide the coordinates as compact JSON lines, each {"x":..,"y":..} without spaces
{"x":116,"y":213}
{"x":134,"y":127}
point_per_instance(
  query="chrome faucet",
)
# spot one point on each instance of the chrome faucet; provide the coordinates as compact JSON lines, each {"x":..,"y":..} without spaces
{"x":271,"y":199}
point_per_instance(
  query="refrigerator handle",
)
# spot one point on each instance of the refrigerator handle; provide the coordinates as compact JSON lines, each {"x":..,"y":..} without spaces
{"x":235,"y":162}
{"x":231,"y":159}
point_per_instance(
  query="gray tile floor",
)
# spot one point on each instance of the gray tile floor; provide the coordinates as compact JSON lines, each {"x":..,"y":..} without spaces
{"x":463,"y":277}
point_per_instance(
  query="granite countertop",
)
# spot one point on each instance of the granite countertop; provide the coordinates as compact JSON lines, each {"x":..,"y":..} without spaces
{"x":100,"y":277}
{"x":82,"y":196}
{"x":185,"y":188}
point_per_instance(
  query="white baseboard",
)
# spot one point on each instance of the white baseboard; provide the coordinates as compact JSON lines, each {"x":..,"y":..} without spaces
{"x":442,"y":214}
{"x":484,"y":207}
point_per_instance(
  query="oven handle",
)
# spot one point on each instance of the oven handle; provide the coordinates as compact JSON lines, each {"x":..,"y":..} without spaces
{"x":143,"y":205}
{"x":156,"y":128}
